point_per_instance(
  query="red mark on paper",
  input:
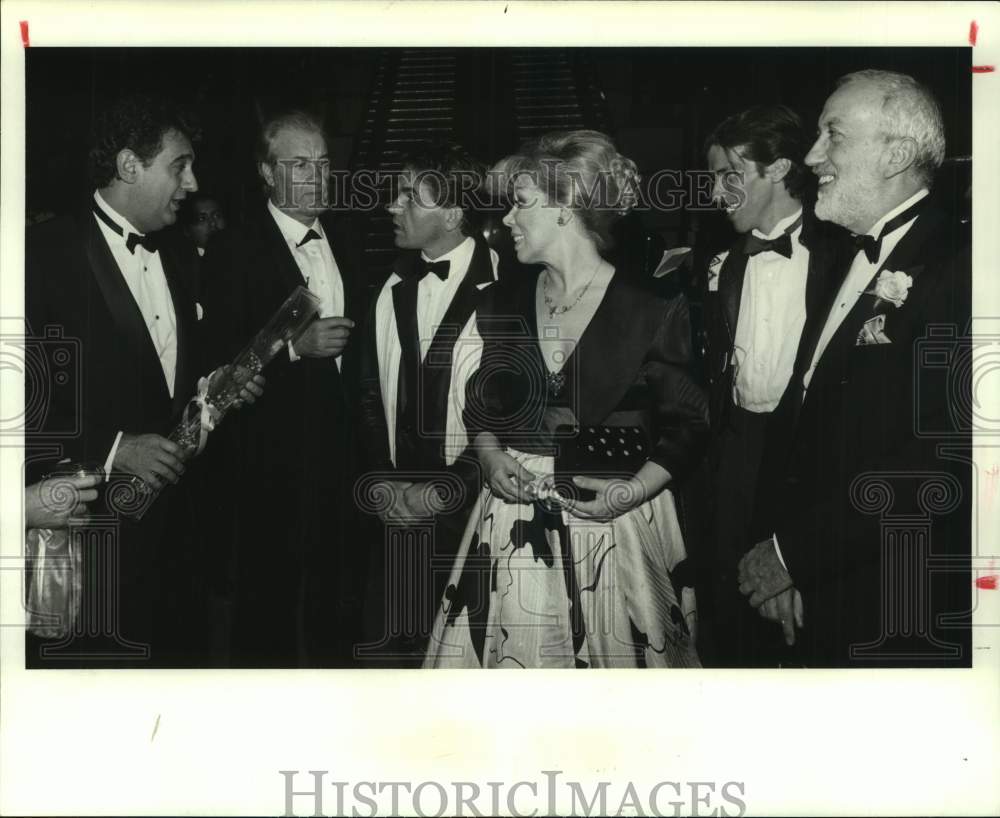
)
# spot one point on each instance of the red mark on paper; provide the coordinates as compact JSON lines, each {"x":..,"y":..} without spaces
{"x":983,"y":69}
{"x":24,"y":34}
{"x":987,"y":583}
{"x":973,"y":32}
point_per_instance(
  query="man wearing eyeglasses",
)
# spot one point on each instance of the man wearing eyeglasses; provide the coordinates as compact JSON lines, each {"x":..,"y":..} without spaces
{"x":288,"y":468}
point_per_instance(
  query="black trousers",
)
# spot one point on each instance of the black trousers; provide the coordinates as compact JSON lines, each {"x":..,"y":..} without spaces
{"x":740,"y":637}
{"x":407,"y":576}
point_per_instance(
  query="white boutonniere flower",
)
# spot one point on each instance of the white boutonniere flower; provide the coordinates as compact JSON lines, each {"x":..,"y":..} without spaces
{"x":892,"y":287}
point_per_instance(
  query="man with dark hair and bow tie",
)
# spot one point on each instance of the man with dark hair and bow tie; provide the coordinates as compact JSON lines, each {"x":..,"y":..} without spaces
{"x":421,"y":346}
{"x":290,"y":464}
{"x":108,"y":280}
{"x":864,"y":495}
{"x":758,"y":296}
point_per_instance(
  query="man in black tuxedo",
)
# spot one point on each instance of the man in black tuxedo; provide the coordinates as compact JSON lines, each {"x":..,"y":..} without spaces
{"x":759,"y":293}
{"x":106,"y":279}
{"x":200,"y":218}
{"x":863,"y":494}
{"x":421,"y":346}
{"x":287,"y":471}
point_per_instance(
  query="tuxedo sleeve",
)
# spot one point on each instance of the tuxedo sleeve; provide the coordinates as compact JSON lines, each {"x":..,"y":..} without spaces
{"x":484,"y":405}
{"x":832,"y":532}
{"x":680,"y":409}
{"x":54,"y":278}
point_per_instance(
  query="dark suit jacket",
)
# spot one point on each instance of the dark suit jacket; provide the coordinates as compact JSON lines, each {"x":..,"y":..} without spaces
{"x":76,"y":296}
{"x":877,"y":408}
{"x":74,"y":286}
{"x":635,"y":356}
{"x":285,"y":466}
{"x":248,"y":272}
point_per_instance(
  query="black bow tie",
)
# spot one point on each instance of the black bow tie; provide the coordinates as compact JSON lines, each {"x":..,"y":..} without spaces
{"x":873,"y":246}
{"x":439,"y":268}
{"x":308,"y":237}
{"x":149,"y":241}
{"x":781,"y":245}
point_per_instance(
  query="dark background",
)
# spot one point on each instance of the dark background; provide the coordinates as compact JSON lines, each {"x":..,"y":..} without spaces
{"x":658,"y":103}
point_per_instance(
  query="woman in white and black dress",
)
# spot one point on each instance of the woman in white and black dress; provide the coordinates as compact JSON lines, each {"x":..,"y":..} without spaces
{"x":576,"y":356}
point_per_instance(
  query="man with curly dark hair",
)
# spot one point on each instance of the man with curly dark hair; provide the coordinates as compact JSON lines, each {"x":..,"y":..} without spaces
{"x":111,"y":283}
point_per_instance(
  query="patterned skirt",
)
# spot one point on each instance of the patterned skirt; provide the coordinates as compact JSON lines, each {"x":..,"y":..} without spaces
{"x":532,"y":587}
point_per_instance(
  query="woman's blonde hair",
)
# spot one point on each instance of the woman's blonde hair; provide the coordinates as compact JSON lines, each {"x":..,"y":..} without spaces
{"x":579,"y":170}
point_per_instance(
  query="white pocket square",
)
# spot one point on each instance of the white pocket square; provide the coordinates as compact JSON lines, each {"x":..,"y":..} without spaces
{"x":198,"y":310}
{"x":872,"y":332}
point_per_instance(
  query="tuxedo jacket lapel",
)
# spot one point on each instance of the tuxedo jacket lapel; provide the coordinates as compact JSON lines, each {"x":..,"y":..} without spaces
{"x":606,"y":352}
{"x":463,"y":302}
{"x":903,"y":257}
{"x":284,"y":264}
{"x":185,"y":374}
{"x":731,"y":278}
{"x":404,"y":305}
{"x":335,"y":230}
{"x":436,"y":370}
{"x":124,"y":311}
{"x":829,"y":259}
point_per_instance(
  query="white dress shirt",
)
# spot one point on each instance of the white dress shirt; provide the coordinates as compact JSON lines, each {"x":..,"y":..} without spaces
{"x":316,"y":263}
{"x":434,"y":295}
{"x":772,"y":314}
{"x":433,"y":299}
{"x":859,"y":277}
{"x":143,"y":273}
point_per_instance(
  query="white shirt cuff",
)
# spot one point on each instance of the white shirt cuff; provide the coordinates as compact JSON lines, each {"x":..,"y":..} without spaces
{"x":291,"y":352}
{"x":111,"y":457}
{"x":777,"y":550}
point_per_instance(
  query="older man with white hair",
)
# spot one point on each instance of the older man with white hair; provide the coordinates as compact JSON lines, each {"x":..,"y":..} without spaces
{"x":285,"y":471}
{"x":863,"y":501}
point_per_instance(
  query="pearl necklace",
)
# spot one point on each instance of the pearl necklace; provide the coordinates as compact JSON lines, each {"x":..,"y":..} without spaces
{"x":561,"y":309}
